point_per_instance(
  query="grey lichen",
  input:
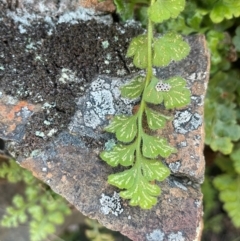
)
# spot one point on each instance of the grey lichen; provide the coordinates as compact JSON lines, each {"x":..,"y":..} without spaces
{"x":25,"y":113}
{"x":109,"y":145}
{"x":197,"y":76}
{"x":176,"y":237}
{"x":52,"y":132}
{"x":30,"y":46}
{"x":44,"y":169}
{"x":174,"y":166}
{"x":185,"y":121}
{"x":67,"y":76}
{"x":84,"y":14}
{"x":40,"y":134}
{"x":111,"y":204}
{"x":156,"y":235}
{"x":182,"y":144}
{"x":46,"y":106}
{"x":47,"y":123}
{"x":105,"y":44}
{"x":108,"y":57}
{"x":197,"y":140}
{"x":198,"y":100}
{"x":121,"y":72}
{"x":179,"y":185}
{"x":35,"y":153}
{"x":65,"y":15}
{"x":198,"y":203}
{"x":101,"y":99}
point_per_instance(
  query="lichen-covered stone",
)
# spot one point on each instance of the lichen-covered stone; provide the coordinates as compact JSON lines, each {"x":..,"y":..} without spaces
{"x":60,"y":87}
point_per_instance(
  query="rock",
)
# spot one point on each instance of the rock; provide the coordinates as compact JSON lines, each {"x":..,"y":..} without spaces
{"x":60,"y":80}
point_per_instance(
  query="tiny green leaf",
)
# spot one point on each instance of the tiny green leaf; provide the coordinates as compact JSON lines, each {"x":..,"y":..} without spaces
{"x":225,"y":9}
{"x":226,"y":129}
{"x":134,"y":89}
{"x":151,"y":95}
{"x":164,"y":9}
{"x":125,"y":127}
{"x":236,"y":39}
{"x":222,"y":144}
{"x":18,"y":201}
{"x":142,"y":193}
{"x":128,"y":130}
{"x":235,"y":156}
{"x":56,"y":217}
{"x":138,"y":188}
{"x":155,"y":146}
{"x":123,"y":180}
{"x":120,"y":154}
{"x":222,"y":182}
{"x":155,"y":120}
{"x":175,"y":95}
{"x":228,"y":185}
{"x":154,"y":170}
{"x":169,"y":47}
{"x":178,"y":95}
{"x":115,"y":123}
{"x":138,"y":49}
{"x":124,"y":9}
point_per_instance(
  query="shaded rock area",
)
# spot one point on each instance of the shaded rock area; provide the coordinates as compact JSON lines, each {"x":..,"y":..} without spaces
{"x":60,"y":86}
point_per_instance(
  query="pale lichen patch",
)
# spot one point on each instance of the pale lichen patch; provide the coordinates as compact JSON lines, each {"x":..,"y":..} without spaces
{"x":198,"y":203}
{"x":46,"y":122}
{"x":111,"y":204}
{"x":40,"y":134}
{"x":102,"y":99}
{"x":121,"y":72}
{"x":67,"y":76}
{"x":109,"y":145}
{"x":185,"y":121}
{"x":105,"y":44}
{"x":52,"y":132}
{"x":197,"y":76}
{"x":179,"y":185}
{"x":35,"y":153}
{"x":156,"y":235}
{"x":24,"y":18}
{"x":175,"y":166}
{"x":176,"y":237}
{"x":198,"y":100}
{"x":83,"y":14}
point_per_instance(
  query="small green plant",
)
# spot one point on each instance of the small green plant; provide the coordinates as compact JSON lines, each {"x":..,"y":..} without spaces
{"x":219,"y":21}
{"x":45,"y":208}
{"x":138,"y":148}
{"x":96,"y":232}
{"x":228,"y":184}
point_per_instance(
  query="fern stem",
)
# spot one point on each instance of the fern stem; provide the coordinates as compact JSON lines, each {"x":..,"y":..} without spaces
{"x":147,"y":80}
{"x":149,"y":42}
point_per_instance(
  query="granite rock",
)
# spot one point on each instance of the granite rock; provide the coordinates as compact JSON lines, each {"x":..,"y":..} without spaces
{"x":60,"y":79}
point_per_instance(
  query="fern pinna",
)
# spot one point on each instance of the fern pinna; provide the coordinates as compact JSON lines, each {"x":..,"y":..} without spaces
{"x":137,"y":149}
